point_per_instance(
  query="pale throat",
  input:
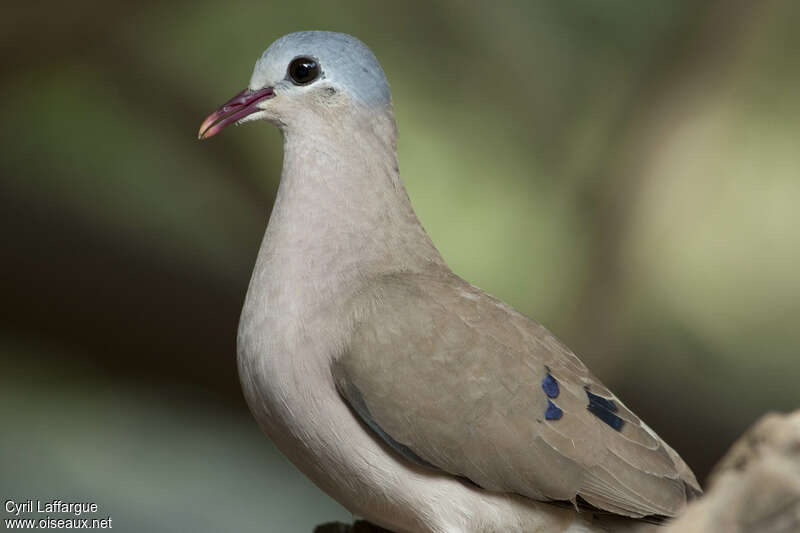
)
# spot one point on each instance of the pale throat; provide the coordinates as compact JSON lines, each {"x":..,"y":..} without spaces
{"x":341,"y":210}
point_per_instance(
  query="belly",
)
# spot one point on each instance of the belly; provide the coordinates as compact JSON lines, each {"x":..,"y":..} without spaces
{"x":294,"y":400}
{"x":286,"y":392}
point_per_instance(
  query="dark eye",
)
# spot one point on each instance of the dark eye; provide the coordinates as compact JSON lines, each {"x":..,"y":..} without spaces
{"x":303,"y":70}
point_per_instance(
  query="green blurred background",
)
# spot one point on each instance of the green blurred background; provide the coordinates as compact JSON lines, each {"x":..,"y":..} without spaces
{"x":628,"y":173}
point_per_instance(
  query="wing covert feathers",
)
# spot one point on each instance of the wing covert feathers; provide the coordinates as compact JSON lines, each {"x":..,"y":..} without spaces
{"x":456,"y":376}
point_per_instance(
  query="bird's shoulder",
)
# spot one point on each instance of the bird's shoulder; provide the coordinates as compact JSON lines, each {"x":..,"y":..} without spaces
{"x":443,"y":309}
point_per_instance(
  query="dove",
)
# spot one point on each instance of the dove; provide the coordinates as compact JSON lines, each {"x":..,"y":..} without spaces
{"x":414,"y":398}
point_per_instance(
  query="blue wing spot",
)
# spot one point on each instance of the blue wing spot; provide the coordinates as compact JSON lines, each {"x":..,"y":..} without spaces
{"x":553,"y":412}
{"x":550,"y":386}
{"x":604,"y":409}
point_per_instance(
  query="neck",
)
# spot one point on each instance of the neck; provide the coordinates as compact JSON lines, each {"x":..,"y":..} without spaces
{"x":341,"y":209}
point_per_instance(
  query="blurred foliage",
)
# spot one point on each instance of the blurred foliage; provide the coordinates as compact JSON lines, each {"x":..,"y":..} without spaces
{"x":625,"y":172}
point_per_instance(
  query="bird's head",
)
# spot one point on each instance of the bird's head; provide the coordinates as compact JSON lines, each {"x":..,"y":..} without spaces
{"x":304,"y":75}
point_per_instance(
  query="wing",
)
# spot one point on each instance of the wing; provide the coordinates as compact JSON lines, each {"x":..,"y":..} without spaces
{"x":454,"y":378}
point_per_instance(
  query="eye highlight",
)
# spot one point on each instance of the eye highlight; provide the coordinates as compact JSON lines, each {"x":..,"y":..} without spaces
{"x":303,"y":70}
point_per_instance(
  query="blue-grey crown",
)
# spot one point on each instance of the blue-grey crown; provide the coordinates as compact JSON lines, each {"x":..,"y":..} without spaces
{"x":345,"y":62}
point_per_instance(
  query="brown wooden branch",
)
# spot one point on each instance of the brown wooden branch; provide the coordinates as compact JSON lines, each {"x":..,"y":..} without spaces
{"x":755,"y":488}
{"x":360,"y":526}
